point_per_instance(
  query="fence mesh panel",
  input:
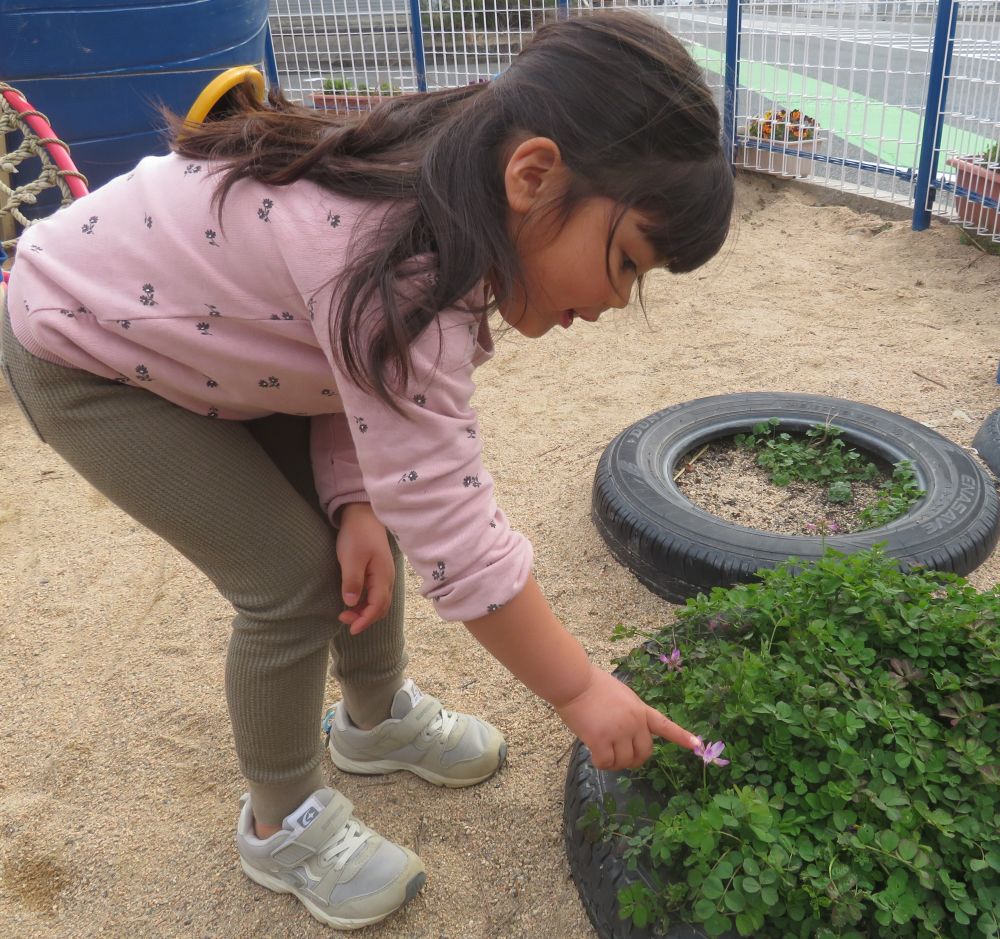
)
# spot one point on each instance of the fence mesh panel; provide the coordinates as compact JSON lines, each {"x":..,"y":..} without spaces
{"x":331,"y":53}
{"x":472,"y":40}
{"x":855,"y":68}
{"x":830,"y":90}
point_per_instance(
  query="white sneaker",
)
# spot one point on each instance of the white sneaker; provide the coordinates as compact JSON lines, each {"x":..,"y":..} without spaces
{"x":443,"y":747}
{"x":345,"y":874}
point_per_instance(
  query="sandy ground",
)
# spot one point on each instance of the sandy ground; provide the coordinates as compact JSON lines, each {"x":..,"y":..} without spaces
{"x":118,"y":790}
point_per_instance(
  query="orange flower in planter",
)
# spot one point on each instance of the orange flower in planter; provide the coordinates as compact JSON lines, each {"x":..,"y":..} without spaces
{"x":786,"y":140}
{"x":783,"y":125}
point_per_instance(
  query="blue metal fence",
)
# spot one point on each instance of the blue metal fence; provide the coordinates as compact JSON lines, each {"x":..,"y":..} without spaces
{"x":894,"y":99}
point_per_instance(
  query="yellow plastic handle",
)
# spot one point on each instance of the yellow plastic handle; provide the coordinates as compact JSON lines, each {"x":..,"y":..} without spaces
{"x":219,"y":85}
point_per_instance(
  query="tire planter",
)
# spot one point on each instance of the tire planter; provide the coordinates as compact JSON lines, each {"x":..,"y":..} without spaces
{"x":987,"y":442}
{"x":597,"y":867}
{"x":678,"y":550}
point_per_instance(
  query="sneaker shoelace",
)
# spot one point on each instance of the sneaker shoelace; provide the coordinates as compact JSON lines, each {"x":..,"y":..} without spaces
{"x":442,"y":723}
{"x":345,"y":843}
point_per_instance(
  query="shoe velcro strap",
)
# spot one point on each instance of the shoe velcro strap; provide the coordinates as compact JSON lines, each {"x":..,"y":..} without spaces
{"x":414,"y":722}
{"x":310,"y":840}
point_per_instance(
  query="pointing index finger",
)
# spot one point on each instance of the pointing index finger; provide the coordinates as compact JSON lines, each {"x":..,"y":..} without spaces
{"x":666,"y":729}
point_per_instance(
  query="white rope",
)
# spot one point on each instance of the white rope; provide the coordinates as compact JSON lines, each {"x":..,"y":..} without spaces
{"x":17,"y":194}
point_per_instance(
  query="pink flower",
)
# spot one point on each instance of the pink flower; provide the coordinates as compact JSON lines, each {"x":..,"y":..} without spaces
{"x":673,"y":661}
{"x":824,"y":526}
{"x":710,"y":752}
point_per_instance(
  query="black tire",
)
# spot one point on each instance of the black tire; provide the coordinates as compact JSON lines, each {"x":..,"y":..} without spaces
{"x":598,"y":869}
{"x":679,"y":550}
{"x":597,"y":865}
{"x":987,"y":442}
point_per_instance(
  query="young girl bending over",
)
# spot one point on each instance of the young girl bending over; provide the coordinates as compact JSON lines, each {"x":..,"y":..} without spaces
{"x":261,"y":347}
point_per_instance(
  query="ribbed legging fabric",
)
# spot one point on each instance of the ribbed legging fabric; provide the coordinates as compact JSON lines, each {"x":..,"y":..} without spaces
{"x":237,"y":499}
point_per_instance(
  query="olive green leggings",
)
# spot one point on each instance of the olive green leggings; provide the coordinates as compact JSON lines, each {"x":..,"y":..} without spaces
{"x":237,"y":499}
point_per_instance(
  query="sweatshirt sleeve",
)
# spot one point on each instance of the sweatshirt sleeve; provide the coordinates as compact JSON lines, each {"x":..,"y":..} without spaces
{"x":423,"y":472}
{"x":421,"y":467}
{"x":336,"y":470}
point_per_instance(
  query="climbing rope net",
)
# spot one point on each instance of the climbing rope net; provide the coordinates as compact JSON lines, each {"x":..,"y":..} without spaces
{"x":38,"y":161}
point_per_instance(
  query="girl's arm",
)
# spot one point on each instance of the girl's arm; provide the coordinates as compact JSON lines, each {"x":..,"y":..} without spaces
{"x":526,"y":637}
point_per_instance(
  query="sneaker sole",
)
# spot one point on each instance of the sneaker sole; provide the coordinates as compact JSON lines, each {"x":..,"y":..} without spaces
{"x":381,"y":767}
{"x":337,"y":922}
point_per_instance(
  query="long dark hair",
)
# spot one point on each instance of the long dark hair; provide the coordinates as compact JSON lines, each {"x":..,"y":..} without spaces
{"x":627,"y":106}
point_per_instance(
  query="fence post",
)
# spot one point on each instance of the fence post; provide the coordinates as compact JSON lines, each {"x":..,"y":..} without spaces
{"x":734,"y":24}
{"x":270,"y":62}
{"x":417,"y":44}
{"x":937,"y":98}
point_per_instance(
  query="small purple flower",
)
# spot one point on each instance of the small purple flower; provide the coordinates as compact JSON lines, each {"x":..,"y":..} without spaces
{"x":672,"y":661}
{"x":709,"y":752}
{"x":824,"y":526}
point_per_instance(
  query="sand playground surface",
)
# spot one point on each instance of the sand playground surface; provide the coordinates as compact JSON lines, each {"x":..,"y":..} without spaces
{"x":119,"y":790}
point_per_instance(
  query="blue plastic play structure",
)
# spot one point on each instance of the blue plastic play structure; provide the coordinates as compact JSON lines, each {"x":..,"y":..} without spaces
{"x":98,"y":69}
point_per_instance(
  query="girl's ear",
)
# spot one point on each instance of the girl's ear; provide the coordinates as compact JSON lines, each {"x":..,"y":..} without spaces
{"x":534,"y":174}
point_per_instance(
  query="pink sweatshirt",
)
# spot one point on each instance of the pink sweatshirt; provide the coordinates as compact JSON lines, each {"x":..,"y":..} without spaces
{"x":139,"y":282}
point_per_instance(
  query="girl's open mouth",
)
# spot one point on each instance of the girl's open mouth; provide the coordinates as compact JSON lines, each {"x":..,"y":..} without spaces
{"x":567,"y":318}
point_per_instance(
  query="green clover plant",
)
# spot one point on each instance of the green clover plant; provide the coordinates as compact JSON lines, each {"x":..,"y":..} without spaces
{"x":820,"y":455}
{"x":860,"y":709}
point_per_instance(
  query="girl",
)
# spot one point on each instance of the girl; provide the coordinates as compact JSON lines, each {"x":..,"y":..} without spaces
{"x":306,"y":297}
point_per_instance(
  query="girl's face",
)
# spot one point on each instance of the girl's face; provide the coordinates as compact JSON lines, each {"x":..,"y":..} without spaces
{"x":566,"y":270}
{"x":569,"y":274}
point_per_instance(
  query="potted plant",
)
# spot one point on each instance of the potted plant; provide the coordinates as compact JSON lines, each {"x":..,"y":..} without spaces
{"x":858,"y":707}
{"x":343,"y":95}
{"x":791,"y":130}
{"x":981,"y":175}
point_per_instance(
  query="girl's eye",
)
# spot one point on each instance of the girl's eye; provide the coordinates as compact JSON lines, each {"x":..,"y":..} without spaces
{"x":627,"y":263}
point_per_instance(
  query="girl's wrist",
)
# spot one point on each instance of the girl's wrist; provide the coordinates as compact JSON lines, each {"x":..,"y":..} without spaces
{"x":584,"y":685}
{"x":352,"y":509}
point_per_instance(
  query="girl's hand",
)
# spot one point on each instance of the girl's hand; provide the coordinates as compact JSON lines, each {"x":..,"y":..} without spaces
{"x":616,"y":725}
{"x":366,"y":566}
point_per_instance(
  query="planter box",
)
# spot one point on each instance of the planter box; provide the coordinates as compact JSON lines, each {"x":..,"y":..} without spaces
{"x":978,"y":176}
{"x":785,"y":165}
